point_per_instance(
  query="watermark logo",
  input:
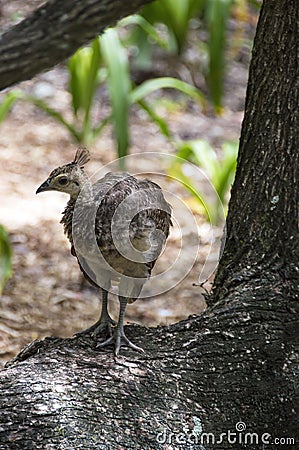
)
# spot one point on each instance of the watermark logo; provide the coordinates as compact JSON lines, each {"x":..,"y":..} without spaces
{"x":121,"y":240}
{"x":240,"y":426}
{"x":240,"y":434}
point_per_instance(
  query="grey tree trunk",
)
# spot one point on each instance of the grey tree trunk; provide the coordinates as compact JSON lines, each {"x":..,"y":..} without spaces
{"x":224,"y":379}
{"x":262,"y":224}
{"x":54,"y":32}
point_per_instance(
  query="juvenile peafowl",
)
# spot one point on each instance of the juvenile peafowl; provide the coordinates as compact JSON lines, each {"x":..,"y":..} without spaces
{"x":117,"y":227}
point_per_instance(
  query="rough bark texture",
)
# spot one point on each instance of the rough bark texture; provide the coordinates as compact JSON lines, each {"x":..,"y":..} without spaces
{"x":54,"y":32}
{"x":262,"y":224}
{"x":234,"y":363}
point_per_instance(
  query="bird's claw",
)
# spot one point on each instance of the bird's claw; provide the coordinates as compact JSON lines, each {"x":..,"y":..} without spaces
{"x":101,"y":326}
{"x":118,"y":338}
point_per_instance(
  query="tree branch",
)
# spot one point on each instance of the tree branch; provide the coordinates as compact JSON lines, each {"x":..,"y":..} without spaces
{"x":235,"y":362}
{"x":54,"y":32}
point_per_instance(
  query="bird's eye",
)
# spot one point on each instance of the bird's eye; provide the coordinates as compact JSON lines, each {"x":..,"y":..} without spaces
{"x":63,"y":181}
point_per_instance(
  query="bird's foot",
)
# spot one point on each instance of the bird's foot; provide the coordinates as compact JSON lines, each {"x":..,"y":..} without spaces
{"x":118,"y":339}
{"x":102,"y":326}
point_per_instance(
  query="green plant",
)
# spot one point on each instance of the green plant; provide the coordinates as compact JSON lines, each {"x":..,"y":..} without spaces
{"x":84,"y":79}
{"x":176,"y":17}
{"x":210,"y":16}
{"x":5,"y":258}
{"x":106,"y":61}
{"x":220,"y":172}
{"x":217,"y":13}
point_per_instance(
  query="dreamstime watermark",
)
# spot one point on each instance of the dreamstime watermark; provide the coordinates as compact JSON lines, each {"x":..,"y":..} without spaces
{"x":135,"y":238}
{"x":237,"y":436}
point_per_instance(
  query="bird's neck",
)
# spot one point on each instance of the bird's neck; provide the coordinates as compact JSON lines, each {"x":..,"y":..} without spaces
{"x":84,"y":191}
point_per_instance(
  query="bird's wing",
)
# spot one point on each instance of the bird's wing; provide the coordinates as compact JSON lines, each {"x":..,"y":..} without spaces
{"x":132,"y":216}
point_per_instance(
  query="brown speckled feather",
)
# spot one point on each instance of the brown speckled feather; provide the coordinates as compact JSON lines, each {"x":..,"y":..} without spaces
{"x":154,"y":214}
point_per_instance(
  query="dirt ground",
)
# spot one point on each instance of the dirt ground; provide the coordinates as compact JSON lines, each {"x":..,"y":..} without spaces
{"x":47,"y":294}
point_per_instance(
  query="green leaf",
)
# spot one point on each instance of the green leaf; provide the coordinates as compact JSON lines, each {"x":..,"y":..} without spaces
{"x":147,"y":27}
{"x":74,"y":85}
{"x":226,"y":170}
{"x":220,"y":170}
{"x":149,"y":86}
{"x":176,"y":171}
{"x":204,"y":155}
{"x":217,"y":15}
{"x":176,"y":16}
{"x":5,"y":257}
{"x":54,"y":114}
{"x":8,"y":102}
{"x":119,"y":86}
{"x":162,"y":124}
{"x":84,"y":79}
{"x":92,"y":79}
{"x":78,"y":68}
{"x":99,"y":128}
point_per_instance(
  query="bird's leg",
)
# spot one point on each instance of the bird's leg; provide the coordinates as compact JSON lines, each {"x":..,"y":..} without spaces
{"x":119,"y":336}
{"x":105,"y":321}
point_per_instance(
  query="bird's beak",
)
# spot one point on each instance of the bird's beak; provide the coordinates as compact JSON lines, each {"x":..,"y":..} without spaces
{"x":44,"y":187}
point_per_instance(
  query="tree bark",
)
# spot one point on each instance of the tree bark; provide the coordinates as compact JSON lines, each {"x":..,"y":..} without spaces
{"x":232,"y":367}
{"x":262,"y":223}
{"x":233,"y":364}
{"x":54,"y":32}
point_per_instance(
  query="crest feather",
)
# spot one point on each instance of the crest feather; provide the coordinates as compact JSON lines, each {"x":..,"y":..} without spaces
{"x":82,"y":157}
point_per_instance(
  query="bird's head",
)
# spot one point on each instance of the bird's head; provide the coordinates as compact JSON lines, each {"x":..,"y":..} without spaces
{"x":69,"y":178}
